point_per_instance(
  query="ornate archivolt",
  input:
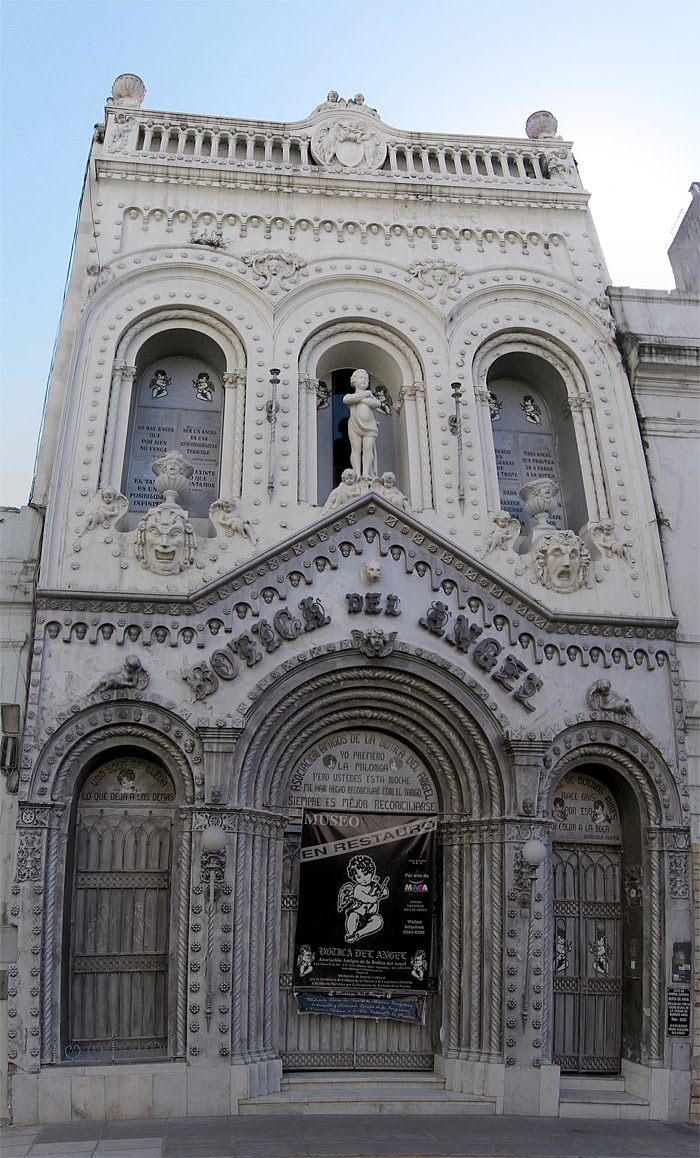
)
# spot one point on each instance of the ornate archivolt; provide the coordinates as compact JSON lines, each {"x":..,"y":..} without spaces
{"x":408,"y":703}
{"x":98,"y":729}
{"x":124,"y":373}
{"x":411,"y":400}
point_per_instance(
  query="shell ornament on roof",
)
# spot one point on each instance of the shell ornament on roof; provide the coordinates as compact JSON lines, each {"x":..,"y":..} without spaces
{"x":128,"y":91}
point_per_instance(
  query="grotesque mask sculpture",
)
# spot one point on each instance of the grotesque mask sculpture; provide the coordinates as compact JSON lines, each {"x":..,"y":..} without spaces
{"x":562,"y":561}
{"x":165,"y":540}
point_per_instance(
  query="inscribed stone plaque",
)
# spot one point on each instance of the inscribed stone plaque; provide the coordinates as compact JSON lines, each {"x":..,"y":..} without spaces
{"x":365,"y":771}
{"x":524,"y":445}
{"x":178,"y":406}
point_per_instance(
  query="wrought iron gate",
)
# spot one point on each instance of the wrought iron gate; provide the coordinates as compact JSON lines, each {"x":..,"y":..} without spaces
{"x":587,"y":964}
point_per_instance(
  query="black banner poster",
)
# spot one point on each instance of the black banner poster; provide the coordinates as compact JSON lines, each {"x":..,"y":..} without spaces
{"x":366,"y":891}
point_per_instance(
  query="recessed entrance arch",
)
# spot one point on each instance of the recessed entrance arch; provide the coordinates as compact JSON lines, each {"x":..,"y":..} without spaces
{"x":435,"y":716}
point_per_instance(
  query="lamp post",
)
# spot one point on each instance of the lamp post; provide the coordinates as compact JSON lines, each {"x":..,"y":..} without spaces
{"x":213,"y":870}
{"x":533,"y":853}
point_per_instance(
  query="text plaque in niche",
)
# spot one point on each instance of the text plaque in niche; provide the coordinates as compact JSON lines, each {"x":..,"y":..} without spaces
{"x":521,"y":458}
{"x":178,"y":407}
{"x":584,"y":809}
{"x":362,"y":771}
{"x":128,"y":780}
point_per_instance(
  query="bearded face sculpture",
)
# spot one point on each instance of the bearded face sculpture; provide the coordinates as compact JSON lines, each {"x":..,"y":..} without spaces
{"x":562,"y":562}
{"x":165,"y":540}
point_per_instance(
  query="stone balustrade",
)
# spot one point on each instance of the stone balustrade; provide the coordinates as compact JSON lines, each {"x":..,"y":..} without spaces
{"x":276,"y":148}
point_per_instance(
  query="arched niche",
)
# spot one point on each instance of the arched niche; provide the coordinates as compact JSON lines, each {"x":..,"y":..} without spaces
{"x":178,"y":383}
{"x":177,"y":404}
{"x":525,"y":365}
{"x":395,"y":375}
{"x":534,"y":437}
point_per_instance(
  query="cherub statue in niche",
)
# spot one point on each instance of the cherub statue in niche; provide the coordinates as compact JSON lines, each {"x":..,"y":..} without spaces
{"x":363,"y":427}
{"x":227,"y":521}
{"x":109,"y":507}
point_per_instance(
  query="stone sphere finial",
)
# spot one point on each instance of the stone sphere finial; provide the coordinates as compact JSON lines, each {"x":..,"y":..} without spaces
{"x":541,"y":124}
{"x":128,"y":91}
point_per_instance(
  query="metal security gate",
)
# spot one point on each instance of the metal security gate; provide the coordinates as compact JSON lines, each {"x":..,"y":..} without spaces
{"x":119,"y":925}
{"x":324,"y":1042}
{"x":587,"y":958}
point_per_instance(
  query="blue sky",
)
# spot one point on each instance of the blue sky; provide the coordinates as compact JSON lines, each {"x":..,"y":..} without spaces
{"x":619,"y":75}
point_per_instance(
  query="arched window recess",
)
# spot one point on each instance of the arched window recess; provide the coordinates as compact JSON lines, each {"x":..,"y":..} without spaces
{"x":178,"y":383}
{"x":536,"y":423}
{"x":326,"y":365}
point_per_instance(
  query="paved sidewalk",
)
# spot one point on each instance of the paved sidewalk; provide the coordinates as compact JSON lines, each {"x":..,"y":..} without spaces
{"x":321,"y":1136}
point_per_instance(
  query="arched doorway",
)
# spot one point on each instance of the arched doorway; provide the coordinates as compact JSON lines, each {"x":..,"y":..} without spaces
{"x":587,"y":964}
{"x":372,"y":787}
{"x":118,"y":936}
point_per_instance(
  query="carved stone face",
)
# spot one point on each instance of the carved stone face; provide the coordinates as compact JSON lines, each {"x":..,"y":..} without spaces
{"x":371,"y":571}
{"x":563,"y":561}
{"x":165,"y":541}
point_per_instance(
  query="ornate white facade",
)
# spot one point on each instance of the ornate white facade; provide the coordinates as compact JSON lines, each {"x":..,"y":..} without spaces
{"x":251,"y":552}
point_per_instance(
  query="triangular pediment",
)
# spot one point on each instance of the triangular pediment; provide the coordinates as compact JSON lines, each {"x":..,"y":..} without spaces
{"x":434,"y":559}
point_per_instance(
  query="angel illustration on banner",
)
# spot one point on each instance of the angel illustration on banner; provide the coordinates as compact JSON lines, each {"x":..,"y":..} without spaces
{"x":359,"y":898}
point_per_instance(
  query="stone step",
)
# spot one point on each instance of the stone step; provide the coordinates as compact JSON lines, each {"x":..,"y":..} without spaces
{"x":373,"y":1094}
{"x":599,"y":1097}
{"x":592,"y":1082}
{"x":363,"y":1077}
